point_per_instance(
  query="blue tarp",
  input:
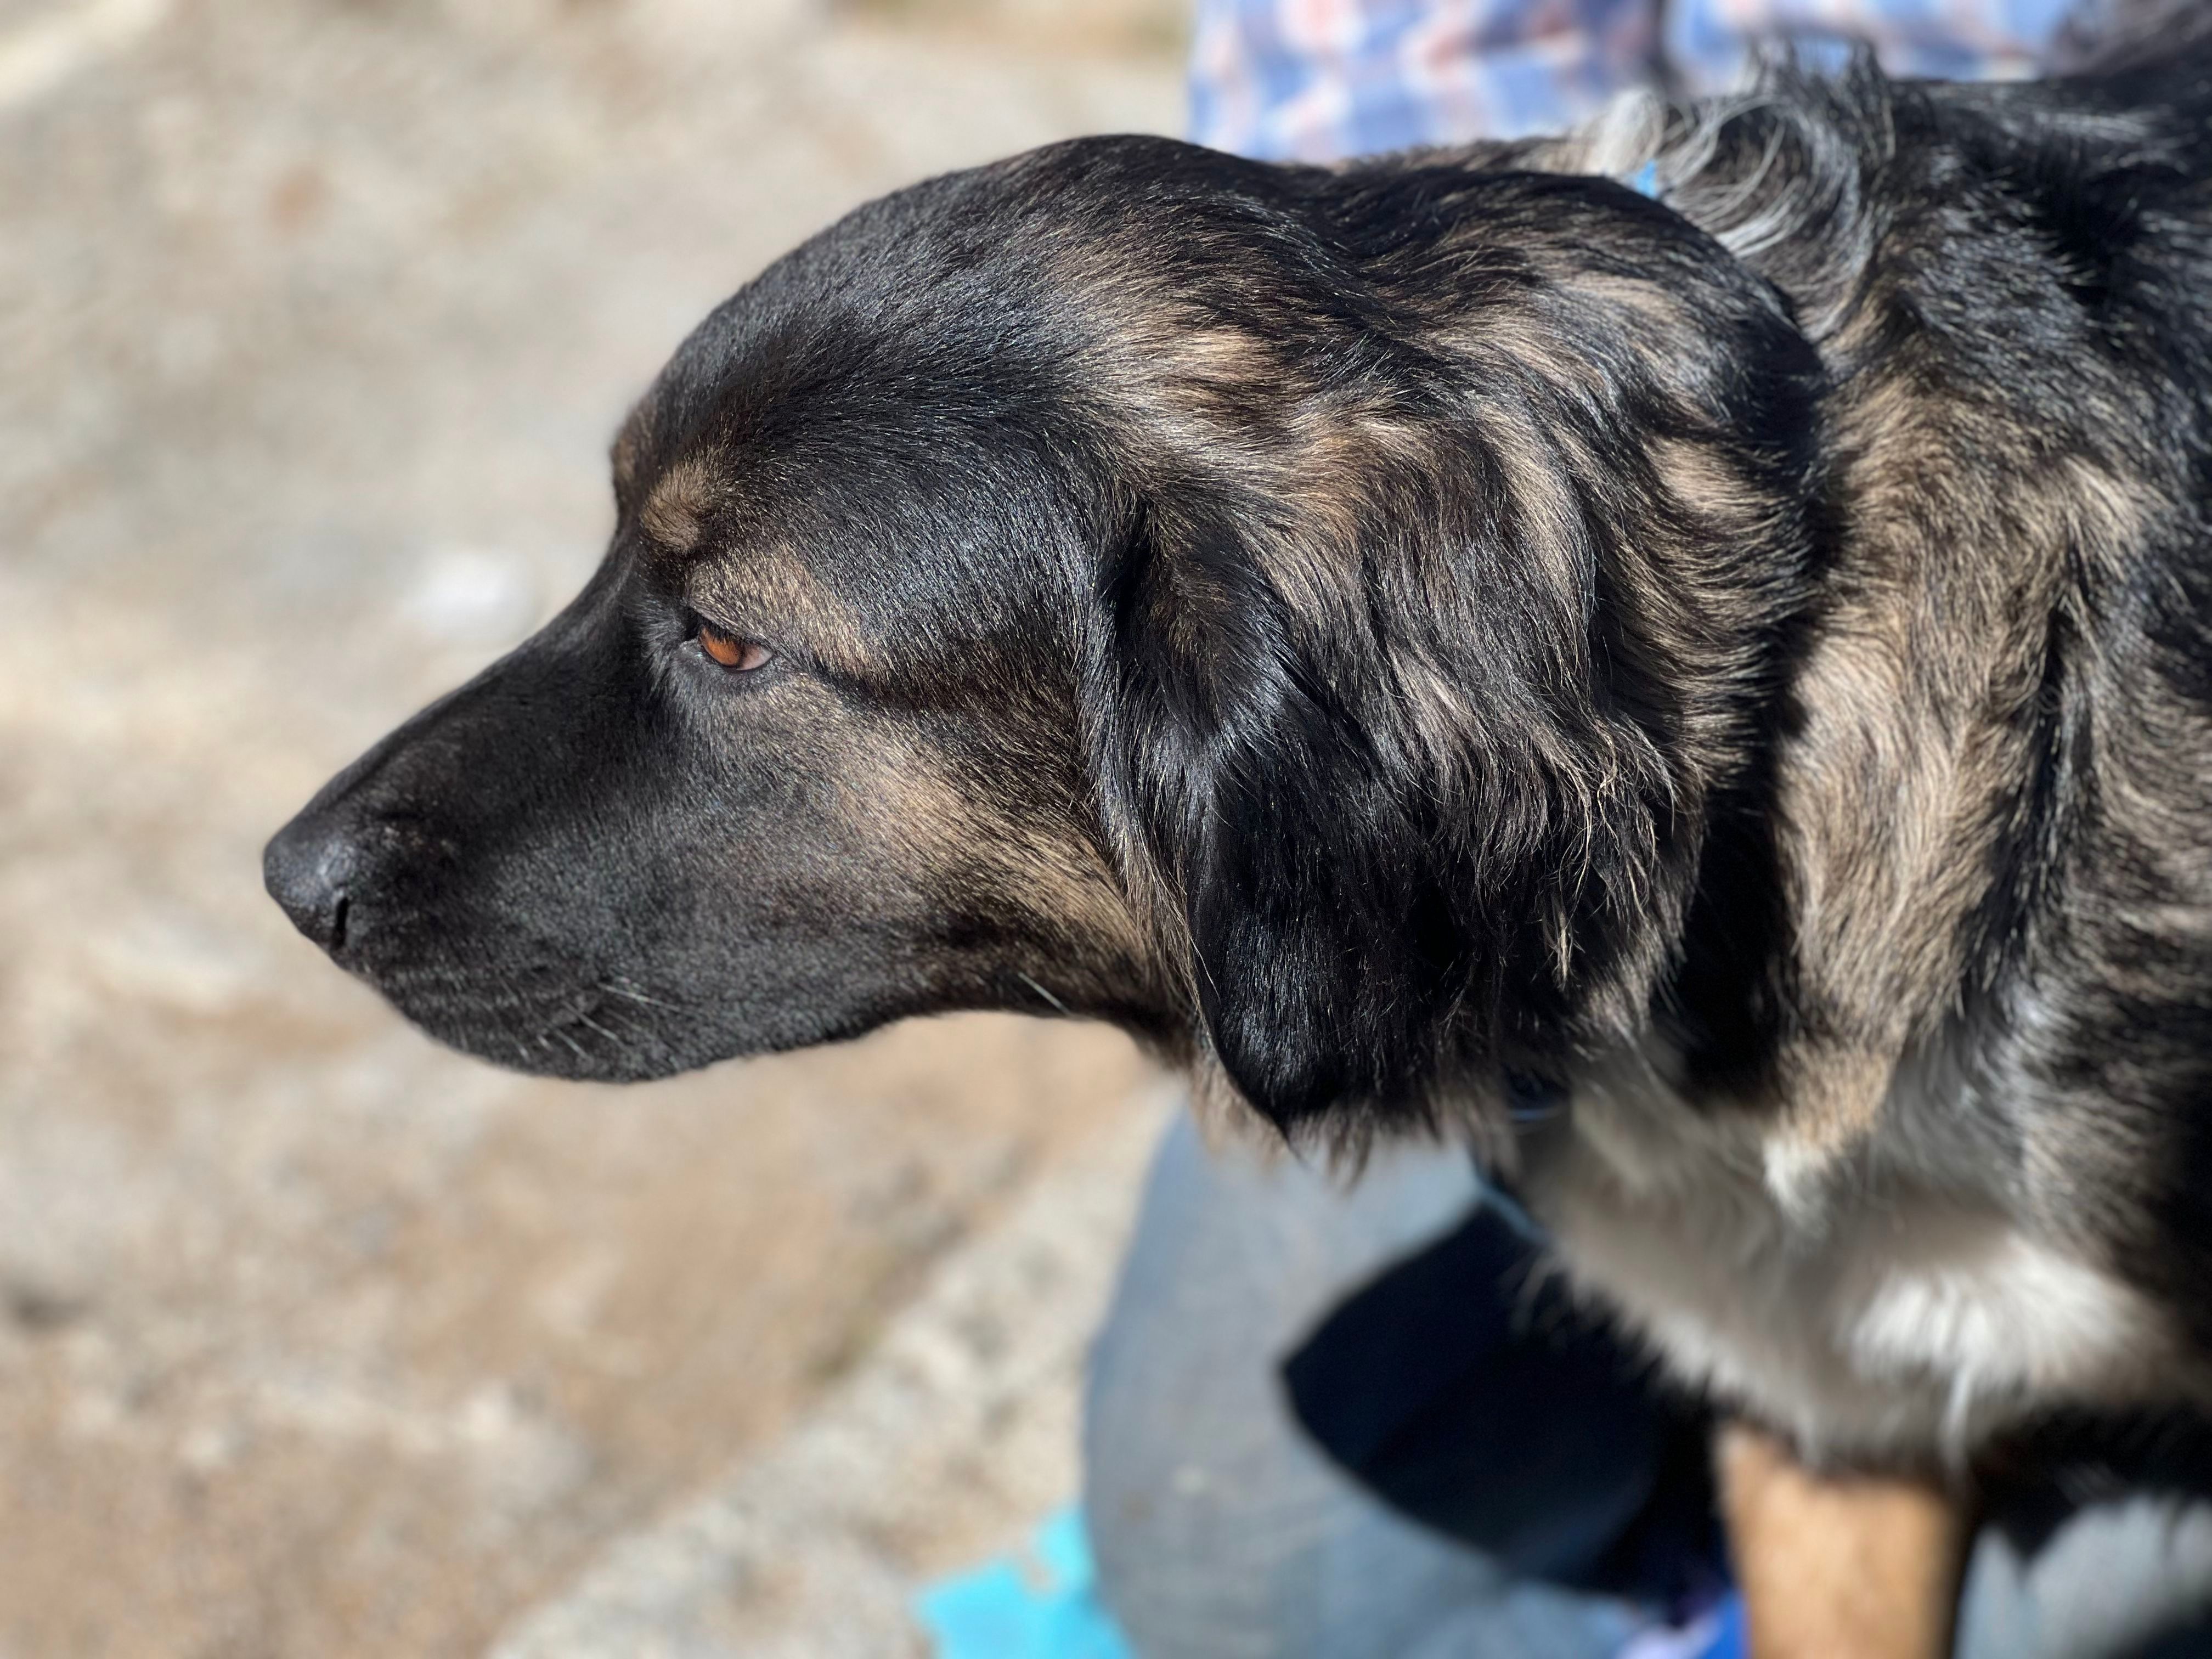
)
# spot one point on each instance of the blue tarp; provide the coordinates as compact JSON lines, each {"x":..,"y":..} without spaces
{"x":1043,"y":1604}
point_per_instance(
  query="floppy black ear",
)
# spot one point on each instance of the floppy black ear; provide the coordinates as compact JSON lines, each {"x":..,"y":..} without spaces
{"x":1452,"y":526}
{"x":1376,"y":789}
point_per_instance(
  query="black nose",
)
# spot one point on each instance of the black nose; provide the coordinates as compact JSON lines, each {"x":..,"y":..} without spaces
{"x":307,"y":868}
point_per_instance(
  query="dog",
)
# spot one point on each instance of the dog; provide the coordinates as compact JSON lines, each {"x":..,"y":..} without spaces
{"x":1703,"y":691}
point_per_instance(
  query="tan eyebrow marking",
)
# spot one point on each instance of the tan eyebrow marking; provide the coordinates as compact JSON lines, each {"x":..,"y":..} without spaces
{"x":675,"y":512}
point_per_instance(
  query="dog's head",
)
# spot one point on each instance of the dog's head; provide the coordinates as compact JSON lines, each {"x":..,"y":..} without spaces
{"x":1304,"y":617}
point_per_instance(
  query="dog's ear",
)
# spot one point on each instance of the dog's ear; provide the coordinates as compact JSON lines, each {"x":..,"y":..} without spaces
{"x":1377,"y":796}
{"x":1436,"y":598}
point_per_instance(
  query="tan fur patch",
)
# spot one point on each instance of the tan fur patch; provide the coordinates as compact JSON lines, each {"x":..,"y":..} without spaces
{"x":1042,"y":865}
{"x":675,"y":512}
{"x":1916,"y":697}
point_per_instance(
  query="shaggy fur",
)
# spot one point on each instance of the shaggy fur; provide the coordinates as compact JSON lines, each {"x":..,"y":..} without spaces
{"x":1446,"y":630}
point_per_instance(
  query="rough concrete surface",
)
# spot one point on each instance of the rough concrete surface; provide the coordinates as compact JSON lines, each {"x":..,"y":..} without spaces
{"x":315,"y":318}
{"x":966,"y":1413}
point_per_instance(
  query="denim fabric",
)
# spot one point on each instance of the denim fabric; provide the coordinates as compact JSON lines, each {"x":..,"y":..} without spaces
{"x":1221,"y":1532}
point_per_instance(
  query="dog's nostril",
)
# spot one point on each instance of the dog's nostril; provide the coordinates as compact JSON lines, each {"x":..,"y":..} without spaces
{"x":306,"y":869}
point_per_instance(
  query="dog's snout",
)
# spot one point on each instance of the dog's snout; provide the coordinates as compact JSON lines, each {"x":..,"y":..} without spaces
{"x":309,"y":869}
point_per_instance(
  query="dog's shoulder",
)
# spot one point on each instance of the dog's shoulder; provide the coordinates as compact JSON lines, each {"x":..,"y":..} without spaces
{"x":1993,"y":806}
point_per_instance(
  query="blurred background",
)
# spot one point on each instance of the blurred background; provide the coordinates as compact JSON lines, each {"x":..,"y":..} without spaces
{"x":316,"y":317}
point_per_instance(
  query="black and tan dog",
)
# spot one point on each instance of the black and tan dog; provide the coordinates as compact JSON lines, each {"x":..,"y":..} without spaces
{"x":1393,"y":637}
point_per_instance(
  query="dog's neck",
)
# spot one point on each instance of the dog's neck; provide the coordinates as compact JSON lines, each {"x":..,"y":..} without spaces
{"x":1887,"y":831}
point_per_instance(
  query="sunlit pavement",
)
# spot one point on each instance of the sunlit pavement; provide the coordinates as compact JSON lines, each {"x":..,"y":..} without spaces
{"x":316,"y":319}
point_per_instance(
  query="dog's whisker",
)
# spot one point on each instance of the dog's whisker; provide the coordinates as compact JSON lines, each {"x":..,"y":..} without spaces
{"x":589,"y":1023}
{"x":621,"y":987}
{"x":1041,"y":991}
{"x":643,"y":1031}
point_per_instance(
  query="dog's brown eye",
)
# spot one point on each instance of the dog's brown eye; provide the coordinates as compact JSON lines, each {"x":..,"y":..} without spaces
{"x":738,"y":656}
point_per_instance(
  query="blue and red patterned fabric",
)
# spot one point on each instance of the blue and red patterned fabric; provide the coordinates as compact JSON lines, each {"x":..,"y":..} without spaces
{"x":1319,"y":79}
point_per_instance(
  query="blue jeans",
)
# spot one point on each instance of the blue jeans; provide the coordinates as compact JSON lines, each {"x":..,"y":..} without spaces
{"x":1221,"y":1531}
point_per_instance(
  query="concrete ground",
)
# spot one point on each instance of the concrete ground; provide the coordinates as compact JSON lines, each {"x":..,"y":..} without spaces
{"x":316,"y":318}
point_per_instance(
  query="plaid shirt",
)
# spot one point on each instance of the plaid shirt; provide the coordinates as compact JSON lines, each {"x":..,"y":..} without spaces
{"x":1316,"y":79}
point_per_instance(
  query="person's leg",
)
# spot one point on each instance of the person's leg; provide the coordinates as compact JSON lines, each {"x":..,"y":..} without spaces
{"x":1219,"y":1531}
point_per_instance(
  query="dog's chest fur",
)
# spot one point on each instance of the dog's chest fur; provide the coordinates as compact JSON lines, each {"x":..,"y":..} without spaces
{"x":1890,"y":1305}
